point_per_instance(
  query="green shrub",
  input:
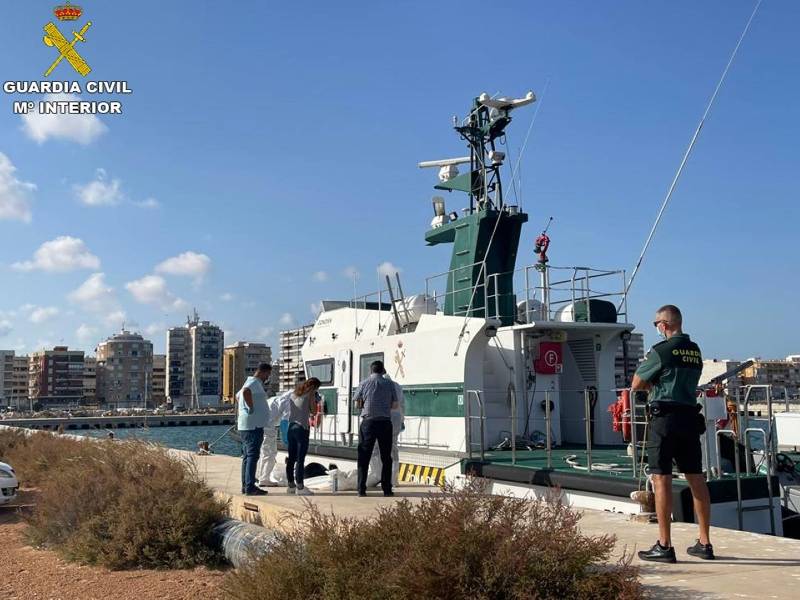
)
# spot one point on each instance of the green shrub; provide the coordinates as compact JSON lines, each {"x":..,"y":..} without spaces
{"x":118,"y":504}
{"x":453,"y":545}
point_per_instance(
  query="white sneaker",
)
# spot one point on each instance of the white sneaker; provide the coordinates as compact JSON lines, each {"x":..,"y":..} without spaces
{"x":291,"y":490}
{"x":304,"y":491}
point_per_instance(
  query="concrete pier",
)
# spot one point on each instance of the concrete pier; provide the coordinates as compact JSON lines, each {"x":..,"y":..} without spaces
{"x":748,"y":565}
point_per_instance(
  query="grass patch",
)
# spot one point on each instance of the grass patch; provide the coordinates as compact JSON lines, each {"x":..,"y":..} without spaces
{"x":118,"y":504}
{"x":453,"y":545}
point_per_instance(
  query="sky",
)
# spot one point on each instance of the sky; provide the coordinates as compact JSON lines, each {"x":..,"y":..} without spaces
{"x":268,"y":151}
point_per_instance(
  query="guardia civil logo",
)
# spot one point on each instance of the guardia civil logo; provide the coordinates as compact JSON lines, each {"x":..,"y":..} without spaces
{"x":66,"y":50}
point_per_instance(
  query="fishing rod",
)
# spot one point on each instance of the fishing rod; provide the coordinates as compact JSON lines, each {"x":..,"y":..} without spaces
{"x":686,"y":157}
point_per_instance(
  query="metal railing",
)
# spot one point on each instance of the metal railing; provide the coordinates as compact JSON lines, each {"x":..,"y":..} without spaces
{"x":737,"y":470}
{"x":481,"y":423}
{"x":580,"y":286}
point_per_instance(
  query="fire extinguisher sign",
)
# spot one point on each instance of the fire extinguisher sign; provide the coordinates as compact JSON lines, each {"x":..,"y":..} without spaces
{"x":550,"y":358}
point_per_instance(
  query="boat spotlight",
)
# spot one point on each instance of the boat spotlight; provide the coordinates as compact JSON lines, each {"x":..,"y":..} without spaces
{"x":438,"y":206}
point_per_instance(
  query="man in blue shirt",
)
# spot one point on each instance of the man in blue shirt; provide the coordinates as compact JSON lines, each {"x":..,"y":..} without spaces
{"x":377,"y":397}
{"x":253,"y":416}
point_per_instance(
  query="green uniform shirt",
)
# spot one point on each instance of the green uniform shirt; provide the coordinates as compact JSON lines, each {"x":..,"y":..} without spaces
{"x":673,"y":367}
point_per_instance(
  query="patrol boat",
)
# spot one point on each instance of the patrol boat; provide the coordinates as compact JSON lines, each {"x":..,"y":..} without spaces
{"x":508,"y":373}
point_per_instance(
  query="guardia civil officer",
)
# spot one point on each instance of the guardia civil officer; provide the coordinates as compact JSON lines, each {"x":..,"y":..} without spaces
{"x":671,"y":372}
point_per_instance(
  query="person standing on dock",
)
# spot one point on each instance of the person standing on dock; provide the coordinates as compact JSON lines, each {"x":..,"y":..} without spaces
{"x":671,"y":372}
{"x":301,"y":406}
{"x":253,"y":416}
{"x":398,"y":425}
{"x":377,"y":397}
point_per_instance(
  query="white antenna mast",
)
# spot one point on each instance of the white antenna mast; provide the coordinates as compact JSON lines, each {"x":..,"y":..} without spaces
{"x":686,"y":156}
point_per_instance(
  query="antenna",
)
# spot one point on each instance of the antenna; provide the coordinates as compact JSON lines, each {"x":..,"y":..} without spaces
{"x":686,"y":155}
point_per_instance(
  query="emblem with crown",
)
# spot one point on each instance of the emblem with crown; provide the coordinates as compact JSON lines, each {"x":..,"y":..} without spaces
{"x":68,"y":12}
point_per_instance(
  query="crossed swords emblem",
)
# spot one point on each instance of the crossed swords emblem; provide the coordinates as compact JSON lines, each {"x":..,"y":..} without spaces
{"x":66,"y":49}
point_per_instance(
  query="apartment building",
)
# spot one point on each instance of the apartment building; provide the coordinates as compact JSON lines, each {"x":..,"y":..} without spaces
{"x":194,"y":364}
{"x":241,"y":360}
{"x":292,"y":370}
{"x":126,"y":360}
{"x":55,"y":378}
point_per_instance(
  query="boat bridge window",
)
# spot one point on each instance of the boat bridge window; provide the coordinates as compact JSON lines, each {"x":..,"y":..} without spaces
{"x":321,"y":369}
{"x":364,"y":361}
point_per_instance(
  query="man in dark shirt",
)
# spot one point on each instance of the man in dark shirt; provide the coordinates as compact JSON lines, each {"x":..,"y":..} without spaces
{"x":671,"y":372}
{"x":377,"y":398}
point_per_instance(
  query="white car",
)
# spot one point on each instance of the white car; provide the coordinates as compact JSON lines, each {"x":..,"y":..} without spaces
{"x":8,"y":484}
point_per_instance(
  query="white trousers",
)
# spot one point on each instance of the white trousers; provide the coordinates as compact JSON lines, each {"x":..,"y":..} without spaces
{"x":374,"y":473}
{"x":268,"y":456}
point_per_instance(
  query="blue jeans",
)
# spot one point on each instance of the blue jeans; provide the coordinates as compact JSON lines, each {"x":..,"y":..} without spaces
{"x":297,"y":447}
{"x":251,"y":448}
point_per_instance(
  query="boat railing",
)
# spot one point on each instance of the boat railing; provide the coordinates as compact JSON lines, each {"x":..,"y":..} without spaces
{"x":537,"y":297}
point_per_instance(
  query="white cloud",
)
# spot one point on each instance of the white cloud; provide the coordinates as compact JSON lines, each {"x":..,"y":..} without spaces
{"x":86,"y":333}
{"x":227,"y":297}
{"x":152,"y":289}
{"x":101,"y":191}
{"x":150,"y":203}
{"x":95,"y":296}
{"x":116,"y":318}
{"x":320,"y":276}
{"x":387,"y":268}
{"x":351,"y":272}
{"x":189,"y":264}
{"x":5,"y":327}
{"x":286,"y":319}
{"x":316,"y":308}
{"x":62,"y":254}
{"x":266,"y":332}
{"x":15,"y":195}
{"x":41,"y":314}
{"x":83,"y":129}
{"x":155,"y":328}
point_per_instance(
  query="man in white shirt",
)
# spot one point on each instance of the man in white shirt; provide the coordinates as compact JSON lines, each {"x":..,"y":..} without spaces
{"x":253,"y":416}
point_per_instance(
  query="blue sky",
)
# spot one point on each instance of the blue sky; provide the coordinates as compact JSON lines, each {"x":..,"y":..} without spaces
{"x":268,"y":147}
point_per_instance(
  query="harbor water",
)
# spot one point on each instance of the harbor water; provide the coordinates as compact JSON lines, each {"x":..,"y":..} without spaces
{"x":180,"y":438}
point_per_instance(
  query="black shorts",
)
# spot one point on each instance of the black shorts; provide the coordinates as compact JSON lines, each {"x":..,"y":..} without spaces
{"x":674,"y":436}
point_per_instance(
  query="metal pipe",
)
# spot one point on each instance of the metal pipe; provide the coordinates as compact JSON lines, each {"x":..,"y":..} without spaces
{"x":394,"y":308}
{"x":548,"y":431}
{"x":588,"y":424}
{"x":241,"y":542}
{"x":402,"y":298}
{"x":468,"y":433}
{"x":514,"y":426}
{"x":588,"y":298}
{"x":735,"y":440}
{"x":634,"y":448}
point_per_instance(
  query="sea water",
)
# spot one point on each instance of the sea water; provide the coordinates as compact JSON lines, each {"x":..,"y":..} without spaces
{"x":180,"y":438}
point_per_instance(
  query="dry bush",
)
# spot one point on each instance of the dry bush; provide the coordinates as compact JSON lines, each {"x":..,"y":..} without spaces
{"x":458,"y":544}
{"x":118,"y":504}
{"x":34,"y":455}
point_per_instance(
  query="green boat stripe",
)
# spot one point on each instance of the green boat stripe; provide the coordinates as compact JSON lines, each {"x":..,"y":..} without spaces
{"x":432,"y":400}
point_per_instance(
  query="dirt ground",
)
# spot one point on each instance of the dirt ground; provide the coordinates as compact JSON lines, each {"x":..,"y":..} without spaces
{"x":27,"y":573}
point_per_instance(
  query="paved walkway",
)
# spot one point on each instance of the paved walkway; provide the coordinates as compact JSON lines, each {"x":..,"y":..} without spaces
{"x":748,"y":565}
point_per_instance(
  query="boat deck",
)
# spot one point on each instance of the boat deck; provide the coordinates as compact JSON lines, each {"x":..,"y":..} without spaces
{"x":530,"y":468}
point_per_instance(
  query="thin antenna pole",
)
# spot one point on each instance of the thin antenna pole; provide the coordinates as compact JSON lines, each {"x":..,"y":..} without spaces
{"x":687,"y":153}
{"x":525,"y":142}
